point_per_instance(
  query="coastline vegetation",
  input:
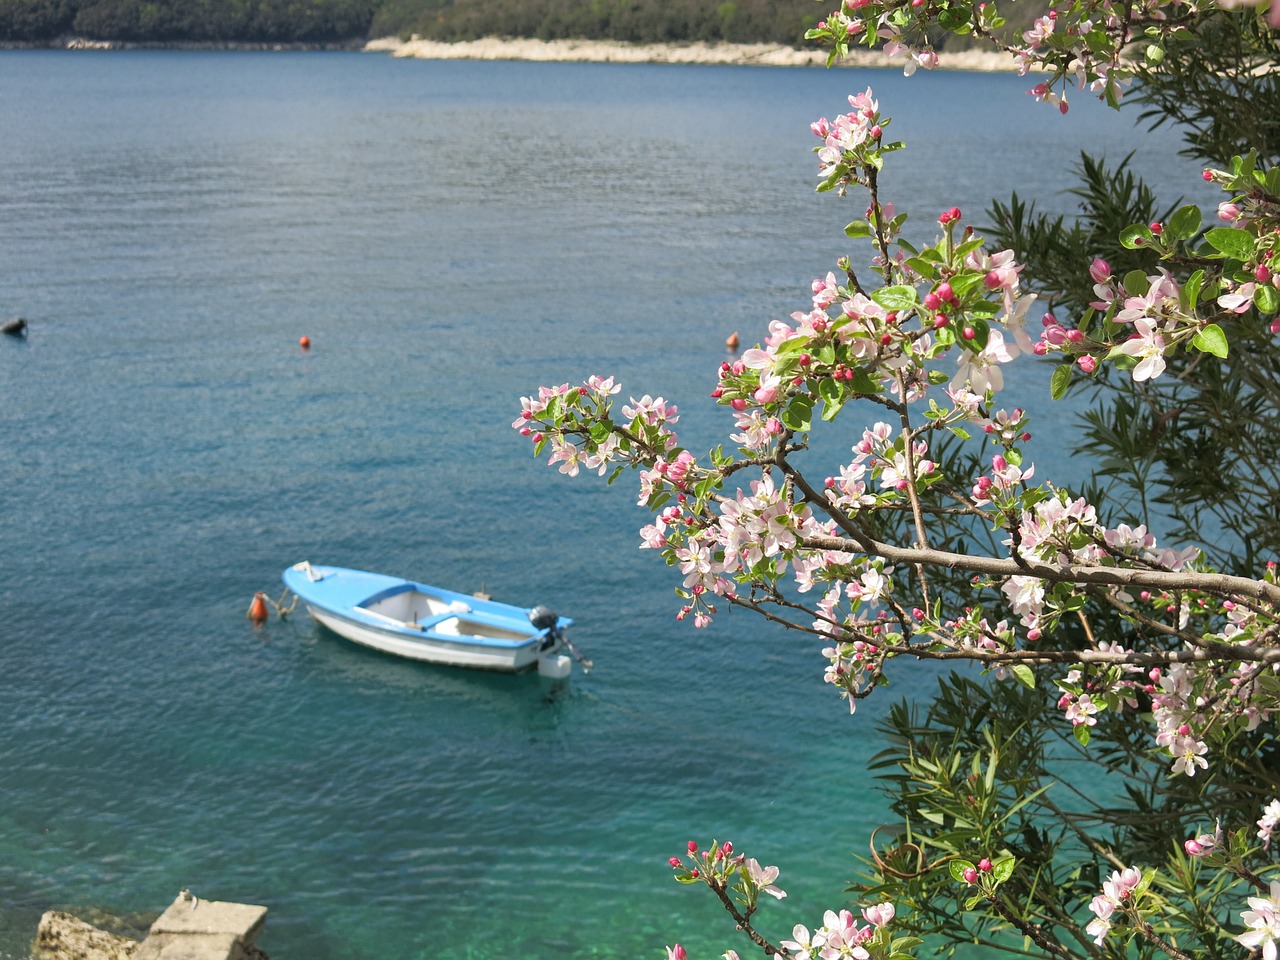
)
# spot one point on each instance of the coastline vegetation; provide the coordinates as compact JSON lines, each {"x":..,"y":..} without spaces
{"x":782,"y":22}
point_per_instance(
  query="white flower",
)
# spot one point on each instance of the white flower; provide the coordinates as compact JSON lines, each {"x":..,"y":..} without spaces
{"x":1263,"y":919}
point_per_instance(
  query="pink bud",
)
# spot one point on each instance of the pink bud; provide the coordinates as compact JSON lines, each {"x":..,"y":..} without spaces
{"x":946,"y":293}
{"x":932,"y":301}
{"x":727,"y":848}
{"x":984,"y":865}
{"x":1100,"y":271}
{"x":674,"y":861}
{"x":1087,"y":363}
{"x":1075,"y":336}
{"x":917,"y":613}
{"x":970,"y":875}
{"x":1262,"y":274}
{"x":738,"y":403}
{"x":1207,"y":175}
{"x":693,"y":846}
{"x":829,"y":482}
{"x":1157,"y":228}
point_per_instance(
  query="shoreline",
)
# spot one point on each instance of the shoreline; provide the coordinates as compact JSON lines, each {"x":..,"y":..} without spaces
{"x":558,"y":51}
{"x":609,"y":51}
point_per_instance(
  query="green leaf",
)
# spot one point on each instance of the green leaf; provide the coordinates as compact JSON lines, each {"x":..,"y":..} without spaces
{"x":1236,"y":244}
{"x":958,"y":867}
{"x":1136,"y":283}
{"x":1265,"y":297}
{"x":900,"y":297}
{"x":1211,"y":339}
{"x":1185,"y":223}
{"x":1024,"y":675}
{"x":1060,"y":381}
{"x":1148,"y":875}
{"x":960,"y":432}
{"x":1002,"y":869}
{"x":1191,"y":290}
{"x":1081,"y":734}
{"x":795,"y":416}
{"x":1137,"y":236}
{"x":859,"y":228}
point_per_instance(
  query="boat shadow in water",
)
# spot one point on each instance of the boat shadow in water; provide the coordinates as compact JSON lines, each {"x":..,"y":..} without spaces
{"x":374,"y":672}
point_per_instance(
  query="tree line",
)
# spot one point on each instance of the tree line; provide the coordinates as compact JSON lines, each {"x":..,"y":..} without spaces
{"x":254,"y":21}
{"x":633,"y":21}
{"x":320,"y":21}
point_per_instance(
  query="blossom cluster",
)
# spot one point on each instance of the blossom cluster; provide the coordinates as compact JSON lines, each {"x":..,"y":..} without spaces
{"x":919,"y":344}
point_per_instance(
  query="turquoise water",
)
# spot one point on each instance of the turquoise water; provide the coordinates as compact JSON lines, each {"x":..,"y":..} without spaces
{"x":449,"y":235}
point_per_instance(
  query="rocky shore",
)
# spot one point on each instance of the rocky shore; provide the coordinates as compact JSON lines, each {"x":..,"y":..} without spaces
{"x":599,"y":51}
{"x":563,"y":51}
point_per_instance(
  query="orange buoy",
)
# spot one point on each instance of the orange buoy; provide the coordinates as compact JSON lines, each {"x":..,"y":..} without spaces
{"x":305,"y":343}
{"x":258,"y":608}
{"x":732,"y":341}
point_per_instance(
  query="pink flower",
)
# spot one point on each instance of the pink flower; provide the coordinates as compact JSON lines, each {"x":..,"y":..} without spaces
{"x":880,"y":915}
{"x":676,"y":953}
{"x":1270,"y":820}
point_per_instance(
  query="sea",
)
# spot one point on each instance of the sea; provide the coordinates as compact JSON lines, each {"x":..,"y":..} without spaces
{"x":448,"y":236}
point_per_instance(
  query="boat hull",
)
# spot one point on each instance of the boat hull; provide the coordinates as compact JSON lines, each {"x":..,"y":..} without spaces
{"x":419,"y":622}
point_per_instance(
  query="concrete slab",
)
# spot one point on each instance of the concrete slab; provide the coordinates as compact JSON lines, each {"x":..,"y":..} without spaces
{"x":191,"y":915}
{"x":190,"y":946}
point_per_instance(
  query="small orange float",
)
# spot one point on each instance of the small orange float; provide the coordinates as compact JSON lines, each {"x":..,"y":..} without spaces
{"x":258,"y":608}
{"x":731,"y":342}
{"x":305,"y":343}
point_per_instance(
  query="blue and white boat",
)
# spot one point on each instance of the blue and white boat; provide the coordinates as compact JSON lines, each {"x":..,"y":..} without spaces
{"x":413,"y":620}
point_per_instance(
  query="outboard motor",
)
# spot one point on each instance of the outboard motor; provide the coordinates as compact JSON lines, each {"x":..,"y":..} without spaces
{"x":544,"y":618}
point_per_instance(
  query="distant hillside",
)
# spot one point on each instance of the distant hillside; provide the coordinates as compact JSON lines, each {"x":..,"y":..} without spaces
{"x":265,"y":21}
{"x":634,"y":21}
{"x":327,"y":21}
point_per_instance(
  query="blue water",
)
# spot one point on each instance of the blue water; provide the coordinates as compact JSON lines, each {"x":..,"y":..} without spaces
{"x":449,"y":235}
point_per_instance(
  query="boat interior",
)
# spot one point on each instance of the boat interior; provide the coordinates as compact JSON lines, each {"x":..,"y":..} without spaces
{"x":413,"y":608}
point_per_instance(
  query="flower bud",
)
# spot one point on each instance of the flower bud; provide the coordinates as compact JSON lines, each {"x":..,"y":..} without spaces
{"x":984,"y":865}
{"x":970,"y":875}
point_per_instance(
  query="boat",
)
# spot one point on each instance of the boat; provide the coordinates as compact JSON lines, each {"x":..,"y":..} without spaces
{"x":420,"y":622}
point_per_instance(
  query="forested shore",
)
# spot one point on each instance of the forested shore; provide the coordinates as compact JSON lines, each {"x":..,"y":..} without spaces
{"x":350,"y":22}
